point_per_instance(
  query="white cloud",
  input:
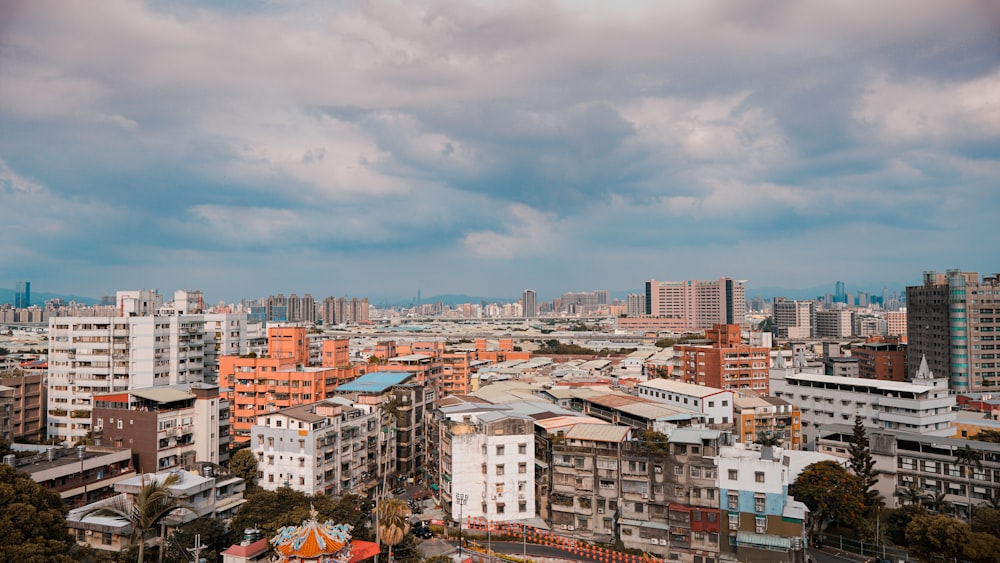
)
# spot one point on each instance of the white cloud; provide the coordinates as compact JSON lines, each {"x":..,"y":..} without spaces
{"x":527,"y":232}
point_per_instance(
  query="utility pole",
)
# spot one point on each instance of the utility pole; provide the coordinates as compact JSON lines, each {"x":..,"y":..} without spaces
{"x":196,"y":550}
{"x":461,"y":499}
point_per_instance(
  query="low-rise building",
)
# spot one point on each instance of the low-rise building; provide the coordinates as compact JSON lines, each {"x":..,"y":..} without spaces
{"x":715,"y":404}
{"x":80,"y":475}
{"x":768,"y":417}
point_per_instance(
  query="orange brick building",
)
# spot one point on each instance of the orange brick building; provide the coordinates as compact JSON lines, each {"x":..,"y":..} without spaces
{"x":726,"y":363}
{"x":288,"y":343}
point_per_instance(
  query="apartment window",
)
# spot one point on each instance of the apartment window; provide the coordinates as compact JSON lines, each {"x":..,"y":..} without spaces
{"x":522,"y":468}
{"x":758,"y":476}
{"x":640,"y":508}
{"x":499,"y":450}
{"x":500,"y":470}
{"x":734,"y":474}
{"x":759,"y":501}
{"x":678,"y":470}
{"x":695,"y":471}
{"x":734,"y":501}
{"x":484,"y":469}
{"x":302,"y":480}
{"x":522,"y":449}
{"x":760,"y":524}
{"x":500,"y":507}
{"x":106,"y":538}
{"x":522,"y":506}
{"x":499,"y":488}
{"x":734,"y":521}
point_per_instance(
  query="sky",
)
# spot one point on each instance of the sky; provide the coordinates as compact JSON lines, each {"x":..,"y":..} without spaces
{"x":381,"y":147}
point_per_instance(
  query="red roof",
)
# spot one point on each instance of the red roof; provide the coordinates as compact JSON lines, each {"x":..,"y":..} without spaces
{"x":251,"y":550}
{"x":362,"y":550}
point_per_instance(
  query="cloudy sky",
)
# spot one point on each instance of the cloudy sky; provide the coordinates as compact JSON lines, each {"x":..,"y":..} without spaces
{"x":376,"y":147}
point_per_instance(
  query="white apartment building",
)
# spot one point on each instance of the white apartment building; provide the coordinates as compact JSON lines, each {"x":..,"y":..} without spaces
{"x":715,"y":404}
{"x":922,"y":406}
{"x":97,"y":355}
{"x":329,"y":447}
{"x":834,"y":323}
{"x":225,"y":335}
{"x":487,"y":459}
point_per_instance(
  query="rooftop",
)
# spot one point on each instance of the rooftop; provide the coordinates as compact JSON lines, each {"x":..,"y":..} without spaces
{"x":680,"y":387}
{"x":376,"y":382}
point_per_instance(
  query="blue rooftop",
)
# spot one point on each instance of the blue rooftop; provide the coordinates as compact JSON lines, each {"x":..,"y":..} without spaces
{"x":376,"y":382}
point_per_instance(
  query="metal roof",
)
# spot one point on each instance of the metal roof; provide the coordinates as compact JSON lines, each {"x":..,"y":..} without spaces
{"x":598,"y":432}
{"x":693,"y":435}
{"x":680,"y":387}
{"x":751,"y":539}
{"x":162,"y":394}
{"x":376,"y":382}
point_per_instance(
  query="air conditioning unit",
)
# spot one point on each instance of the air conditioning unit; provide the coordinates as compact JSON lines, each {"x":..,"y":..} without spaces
{"x":645,"y":495}
{"x":653,"y":541}
{"x":600,"y":511}
{"x":570,"y":528}
{"x":663,"y":542}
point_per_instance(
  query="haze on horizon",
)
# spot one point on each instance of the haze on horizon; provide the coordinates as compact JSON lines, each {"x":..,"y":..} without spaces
{"x":376,"y":147}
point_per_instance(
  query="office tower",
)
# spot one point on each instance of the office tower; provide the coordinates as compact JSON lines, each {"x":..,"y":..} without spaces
{"x":701,"y":303}
{"x":840,"y":293}
{"x":793,"y":319}
{"x":952,"y":320}
{"x":22,"y":295}
{"x":603,"y":297}
{"x":579,"y":303}
{"x":529,"y":303}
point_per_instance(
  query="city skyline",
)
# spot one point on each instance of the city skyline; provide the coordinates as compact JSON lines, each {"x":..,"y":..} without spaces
{"x":372,"y":148}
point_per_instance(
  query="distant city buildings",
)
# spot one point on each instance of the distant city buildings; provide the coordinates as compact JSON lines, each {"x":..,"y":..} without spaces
{"x":699,"y":303}
{"x":22,"y":295}
{"x":529,"y":303}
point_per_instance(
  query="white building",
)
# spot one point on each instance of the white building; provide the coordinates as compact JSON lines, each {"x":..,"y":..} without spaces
{"x":225,"y":335}
{"x":325,"y":447}
{"x":834,"y":323}
{"x":487,"y":459}
{"x":922,"y":406}
{"x":715,"y":404}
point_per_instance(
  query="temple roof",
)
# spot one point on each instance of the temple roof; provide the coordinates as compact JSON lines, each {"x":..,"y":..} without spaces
{"x":313,"y":541}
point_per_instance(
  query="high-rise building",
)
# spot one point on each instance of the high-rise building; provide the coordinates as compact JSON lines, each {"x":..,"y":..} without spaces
{"x":529,"y":303}
{"x":793,"y":319}
{"x":953,"y":321}
{"x":840,"y":293}
{"x":701,"y":303}
{"x":635,"y":305}
{"x":833,"y":324}
{"x":22,"y":295}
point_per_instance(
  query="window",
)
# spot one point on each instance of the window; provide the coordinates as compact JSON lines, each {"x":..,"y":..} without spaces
{"x":695,"y":471}
{"x":522,"y":506}
{"x":734,"y":474}
{"x":500,"y":507}
{"x":760,"y":524}
{"x":522,"y":449}
{"x":759,"y":501}
{"x":499,"y":488}
{"x":302,"y":480}
{"x":106,"y":538}
{"x":522,"y":468}
{"x":758,"y":476}
{"x":678,"y":470}
{"x":500,"y":450}
{"x":734,"y":501}
{"x":640,"y":508}
{"x":500,"y":470}
{"x":734,"y":521}
{"x":484,"y":469}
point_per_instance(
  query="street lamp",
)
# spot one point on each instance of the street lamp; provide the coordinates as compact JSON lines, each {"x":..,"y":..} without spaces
{"x":461,"y":499}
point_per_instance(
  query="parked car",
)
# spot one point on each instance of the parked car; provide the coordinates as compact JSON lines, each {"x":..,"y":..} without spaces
{"x":421,"y":531}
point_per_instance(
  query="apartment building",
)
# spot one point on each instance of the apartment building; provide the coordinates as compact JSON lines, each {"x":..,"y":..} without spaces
{"x":165,"y":427}
{"x":881,"y":358}
{"x":288,"y":343}
{"x":80,"y":475}
{"x":836,"y":323}
{"x":768,"y":417}
{"x":225,"y":335}
{"x":326,"y":447}
{"x":487,"y":462}
{"x":953,"y":320}
{"x":763,"y":523}
{"x":715,"y":404}
{"x":24,"y":398}
{"x":212,"y":493}
{"x":701,"y":303}
{"x":926,"y":463}
{"x":410,"y":400}
{"x":456,"y":373}
{"x":726,"y":363}
{"x":921,"y":406}
{"x":96,"y":355}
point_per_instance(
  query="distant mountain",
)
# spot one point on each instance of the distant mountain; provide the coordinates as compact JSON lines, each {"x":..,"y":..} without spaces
{"x":39,"y":298}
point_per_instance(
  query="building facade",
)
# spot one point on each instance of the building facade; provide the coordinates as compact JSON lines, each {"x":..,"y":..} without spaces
{"x":700,"y":303}
{"x":726,"y":363}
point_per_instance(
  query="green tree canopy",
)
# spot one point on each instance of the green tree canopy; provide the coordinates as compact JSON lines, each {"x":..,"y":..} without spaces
{"x":986,"y":519}
{"x":930,"y":536}
{"x":213,"y":535}
{"x":32,"y":522}
{"x":270,"y":510}
{"x":897,"y":521}
{"x":992,"y":436}
{"x":243,"y":464}
{"x":393,"y":522}
{"x":831,"y":492}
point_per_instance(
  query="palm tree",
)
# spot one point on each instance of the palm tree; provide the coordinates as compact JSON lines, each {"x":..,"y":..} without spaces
{"x":910,"y":495}
{"x":393,"y":522}
{"x":143,"y":511}
{"x":938,"y":503}
{"x":968,"y":458}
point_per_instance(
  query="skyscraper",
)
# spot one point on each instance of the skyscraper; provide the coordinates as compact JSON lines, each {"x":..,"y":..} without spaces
{"x":529,"y":303}
{"x":22,"y":295}
{"x":952,"y":321}
{"x":840,"y":293}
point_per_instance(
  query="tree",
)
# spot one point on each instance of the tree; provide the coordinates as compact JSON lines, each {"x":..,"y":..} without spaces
{"x":863,"y":465}
{"x":665,"y":343}
{"x":32,"y":522}
{"x":982,"y":548}
{"x":831,"y":493}
{"x":910,"y":495}
{"x":986,"y":519}
{"x":270,"y":510}
{"x":897,"y":521}
{"x":937,"y":501}
{"x":243,"y":464}
{"x":992,"y":436}
{"x":767,"y":439}
{"x":393,"y":522}
{"x":144,"y":511}
{"x":930,"y":536}
{"x":968,"y":458}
